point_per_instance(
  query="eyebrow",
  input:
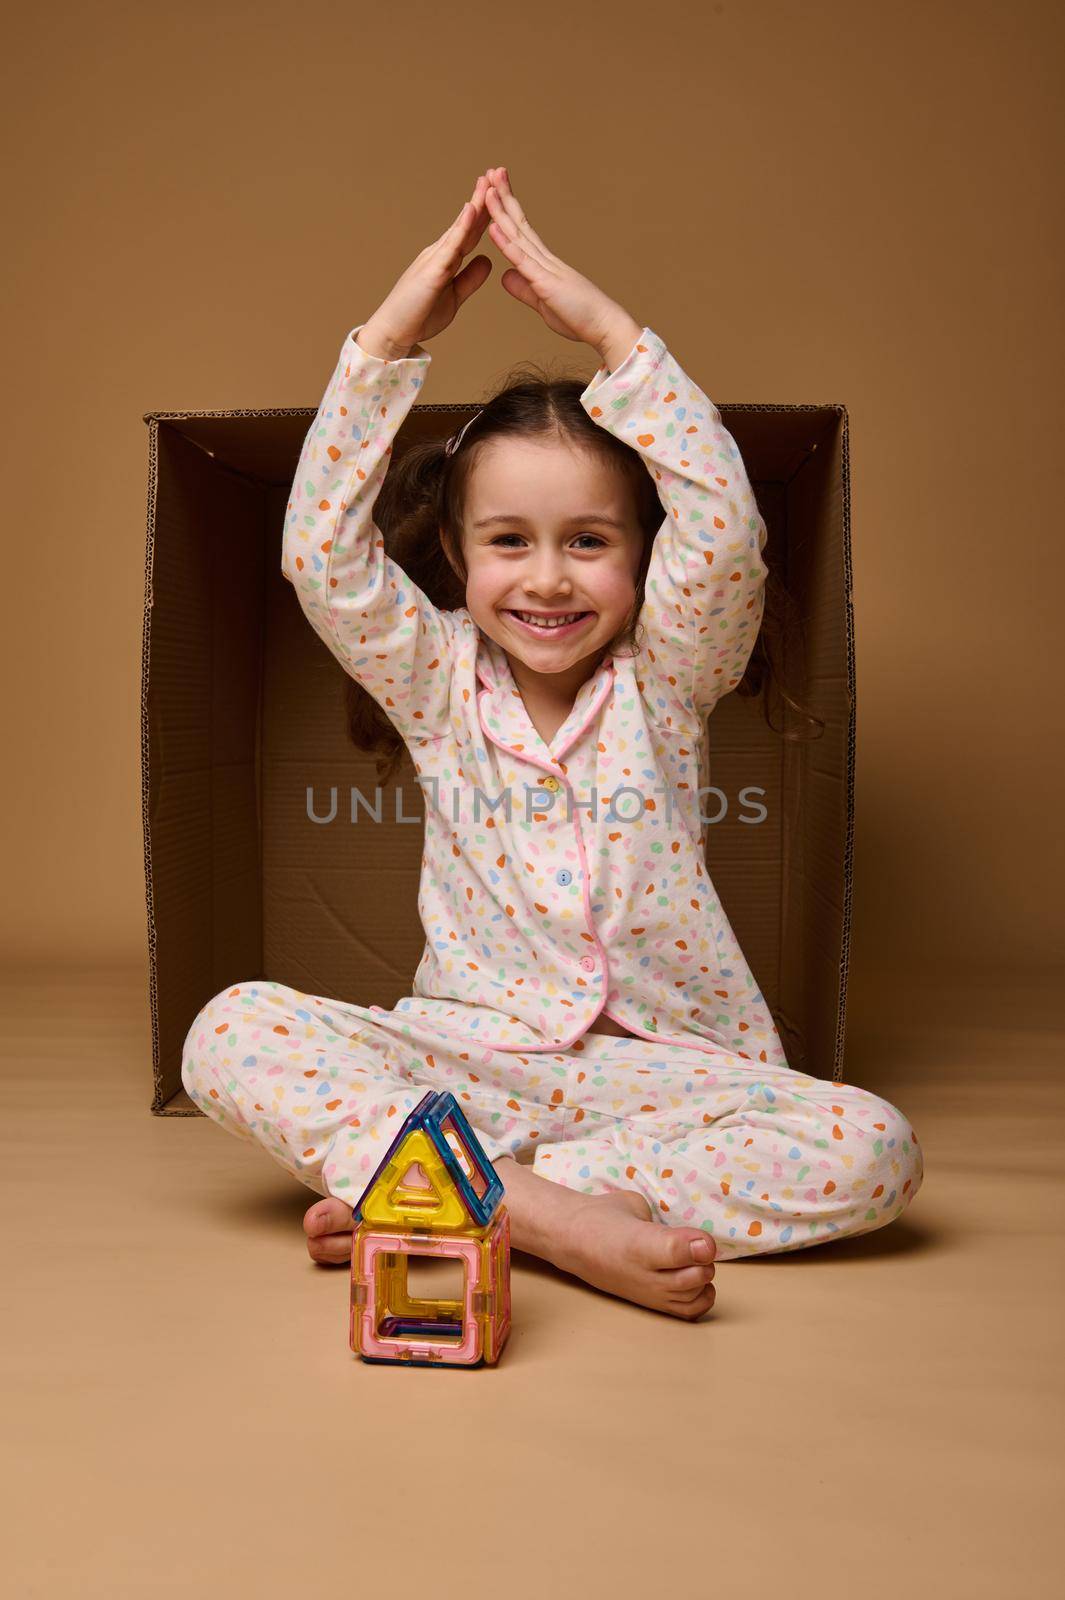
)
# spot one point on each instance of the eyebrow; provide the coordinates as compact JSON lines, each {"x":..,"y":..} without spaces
{"x":590,"y":516}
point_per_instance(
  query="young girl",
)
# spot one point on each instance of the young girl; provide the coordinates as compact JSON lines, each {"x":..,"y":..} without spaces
{"x":581,"y":991}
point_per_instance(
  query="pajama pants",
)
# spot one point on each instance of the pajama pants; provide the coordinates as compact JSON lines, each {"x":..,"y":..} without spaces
{"x":763,"y":1158}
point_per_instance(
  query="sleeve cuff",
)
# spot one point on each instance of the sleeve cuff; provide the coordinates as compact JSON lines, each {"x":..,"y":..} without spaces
{"x":418,"y":355}
{"x":642,"y":363}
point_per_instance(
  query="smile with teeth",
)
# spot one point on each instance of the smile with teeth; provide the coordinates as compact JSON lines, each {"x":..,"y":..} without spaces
{"x":548,"y":621}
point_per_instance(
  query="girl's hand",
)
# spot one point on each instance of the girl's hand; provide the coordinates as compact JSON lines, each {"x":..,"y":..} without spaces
{"x":570,"y":304}
{"x":428,"y":295}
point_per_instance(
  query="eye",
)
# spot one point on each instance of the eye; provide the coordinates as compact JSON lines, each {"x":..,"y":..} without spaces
{"x":595,"y":538}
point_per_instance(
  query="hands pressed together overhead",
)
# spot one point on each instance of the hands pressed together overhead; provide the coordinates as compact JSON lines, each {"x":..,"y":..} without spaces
{"x":427,"y":297}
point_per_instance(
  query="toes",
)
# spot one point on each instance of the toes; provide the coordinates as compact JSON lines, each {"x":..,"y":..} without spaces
{"x":672,"y":1247}
{"x":327,"y":1216}
{"x":686,"y":1296}
{"x":331,"y":1249}
{"x":692,"y":1310}
{"x":687,"y":1280}
{"x":694,"y":1244}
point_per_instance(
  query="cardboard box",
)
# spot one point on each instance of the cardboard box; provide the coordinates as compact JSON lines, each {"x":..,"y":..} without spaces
{"x":242,"y":713}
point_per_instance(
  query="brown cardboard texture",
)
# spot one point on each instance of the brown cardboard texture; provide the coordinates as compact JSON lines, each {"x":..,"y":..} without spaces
{"x":244,"y":737}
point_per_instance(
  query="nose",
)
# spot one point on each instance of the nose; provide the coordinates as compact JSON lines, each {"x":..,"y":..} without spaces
{"x":548,"y":579}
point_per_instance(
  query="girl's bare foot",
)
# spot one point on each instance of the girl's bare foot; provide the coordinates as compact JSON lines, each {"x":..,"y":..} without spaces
{"x":328,"y":1225}
{"x":612,"y":1243}
{"x":608,"y":1240}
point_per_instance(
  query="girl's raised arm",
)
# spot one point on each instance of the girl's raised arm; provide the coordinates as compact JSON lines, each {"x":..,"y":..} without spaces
{"x":381,"y":627}
{"x":705,"y":585}
{"x":377,"y":622}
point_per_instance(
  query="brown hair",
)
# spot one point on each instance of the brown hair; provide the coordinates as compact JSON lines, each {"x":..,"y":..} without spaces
{"x":419,"y":511}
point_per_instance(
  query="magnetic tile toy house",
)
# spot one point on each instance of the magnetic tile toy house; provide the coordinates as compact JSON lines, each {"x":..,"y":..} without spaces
{"x":434,"y":1194}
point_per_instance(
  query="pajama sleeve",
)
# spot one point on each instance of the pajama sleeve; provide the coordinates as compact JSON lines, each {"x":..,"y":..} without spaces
{"x":380,"y":626}
{"x":704,"y":590}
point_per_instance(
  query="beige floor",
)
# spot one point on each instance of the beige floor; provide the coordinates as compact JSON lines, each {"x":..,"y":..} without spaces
{"x":878,"y":1417}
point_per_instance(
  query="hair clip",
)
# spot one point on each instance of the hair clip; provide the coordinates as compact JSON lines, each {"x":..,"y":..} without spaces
{"x":456,"y":439}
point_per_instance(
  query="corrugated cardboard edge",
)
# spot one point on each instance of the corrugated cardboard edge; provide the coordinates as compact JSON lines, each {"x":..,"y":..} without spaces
{"x":852,"y":721}
{"x":149,"y":557}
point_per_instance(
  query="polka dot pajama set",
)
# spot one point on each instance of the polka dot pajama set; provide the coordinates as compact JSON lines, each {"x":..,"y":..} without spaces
{"x":559,"y":880}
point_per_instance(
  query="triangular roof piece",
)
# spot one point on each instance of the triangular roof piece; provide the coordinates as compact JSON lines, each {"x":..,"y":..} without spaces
{"x":450,"y":1141}
{"x":434,"y":1205}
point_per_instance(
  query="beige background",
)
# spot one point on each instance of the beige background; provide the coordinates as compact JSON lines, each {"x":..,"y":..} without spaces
{"x":810,"y":202}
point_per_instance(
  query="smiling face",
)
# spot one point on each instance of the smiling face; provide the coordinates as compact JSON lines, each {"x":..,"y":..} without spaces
{"x":549,"y":531}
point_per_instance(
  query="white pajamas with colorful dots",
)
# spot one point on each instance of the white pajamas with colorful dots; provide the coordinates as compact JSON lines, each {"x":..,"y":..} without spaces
{"x":560,"y":881}
{"x":763,"y":1158}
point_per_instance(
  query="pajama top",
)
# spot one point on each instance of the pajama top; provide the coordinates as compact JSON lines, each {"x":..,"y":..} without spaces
{"x":559,"y":881}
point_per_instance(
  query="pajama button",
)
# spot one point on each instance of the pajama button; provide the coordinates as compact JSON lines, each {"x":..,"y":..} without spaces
{"x":588,"y":963}
{"x":563,"y":877}
{"x":551,"y":785}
